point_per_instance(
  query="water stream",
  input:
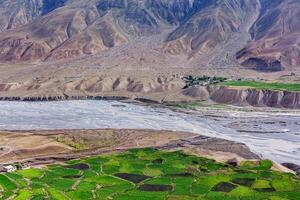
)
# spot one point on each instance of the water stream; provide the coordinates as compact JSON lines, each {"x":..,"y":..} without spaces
{"x":273,"y":136}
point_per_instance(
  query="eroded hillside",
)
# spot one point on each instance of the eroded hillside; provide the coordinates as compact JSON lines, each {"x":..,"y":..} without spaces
{"x":41,"y":30}
{"x":138,"y":47}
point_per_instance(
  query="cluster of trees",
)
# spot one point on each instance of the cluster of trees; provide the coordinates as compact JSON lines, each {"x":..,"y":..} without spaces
{"x":202,"y":80}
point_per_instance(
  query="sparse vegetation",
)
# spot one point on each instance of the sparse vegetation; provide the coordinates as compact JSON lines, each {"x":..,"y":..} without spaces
{"x":189,"y":105}
{"x":197,"y":104}
{"x":150,"y":174}
{"x":77,"y":145}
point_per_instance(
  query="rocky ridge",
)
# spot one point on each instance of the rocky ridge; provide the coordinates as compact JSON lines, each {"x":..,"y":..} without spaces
{"x":42,"y":30}
{"x":245,"y":96}
{"x":149,"y":90}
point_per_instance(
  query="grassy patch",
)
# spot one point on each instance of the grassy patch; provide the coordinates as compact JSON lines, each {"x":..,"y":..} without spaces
{"x":23,"y":195}
{"x":292,"y":87}
{"x":189,"y":105}
{"x":31,"y":173}
{"x":193,"y":105}
{"x":6,"y":183}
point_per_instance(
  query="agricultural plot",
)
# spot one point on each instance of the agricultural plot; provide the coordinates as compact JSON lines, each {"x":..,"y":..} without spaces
{"x":150,"y":174}
{"x":277,"y":86}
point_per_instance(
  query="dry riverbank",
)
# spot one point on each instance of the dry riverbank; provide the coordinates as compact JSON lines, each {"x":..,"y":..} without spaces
{"x":45,"y":147}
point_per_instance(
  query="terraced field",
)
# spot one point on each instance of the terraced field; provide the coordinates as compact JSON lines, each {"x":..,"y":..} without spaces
{"x":150,"y":174}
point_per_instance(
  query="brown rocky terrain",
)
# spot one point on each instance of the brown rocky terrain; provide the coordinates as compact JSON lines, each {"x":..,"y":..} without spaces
{"x":44,"y":147}
{"x":41,"y":31}
{"x":162,"y":89}
{"x":245,"y":96}
{"x":145,"y":86}
{"x":263,"y":34}
{"x":140,"y":49}
{"x":275,"y":34}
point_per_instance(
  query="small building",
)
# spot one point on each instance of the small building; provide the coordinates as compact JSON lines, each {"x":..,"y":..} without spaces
{"x":10,"y":168}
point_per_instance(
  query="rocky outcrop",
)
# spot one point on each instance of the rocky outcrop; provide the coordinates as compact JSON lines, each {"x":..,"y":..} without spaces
{"x":212,"y":144}
{"x":256,"y":97}
{"x":201,"y":93}
{"x":262,"y":64}
{"x":246,"y":96}
{"x":294,"y":167}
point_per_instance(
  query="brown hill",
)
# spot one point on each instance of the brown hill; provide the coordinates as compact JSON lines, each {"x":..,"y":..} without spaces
{"x":49,"y":47}
{"x":68,"y":29}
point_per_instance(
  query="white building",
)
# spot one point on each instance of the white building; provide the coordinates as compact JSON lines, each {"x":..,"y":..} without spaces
{"x":10,"y":168}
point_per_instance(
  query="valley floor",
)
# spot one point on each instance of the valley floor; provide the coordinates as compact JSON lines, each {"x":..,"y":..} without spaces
{"x":142,"y":174}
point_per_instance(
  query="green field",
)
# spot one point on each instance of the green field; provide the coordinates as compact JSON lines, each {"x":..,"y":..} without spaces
{"x":150,"y":174}
{"x":292,"y":87}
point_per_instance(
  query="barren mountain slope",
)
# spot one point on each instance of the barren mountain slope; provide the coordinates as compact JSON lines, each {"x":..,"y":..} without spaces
{"x":15,"y":13}
{"x":68,"y":29}
{"x":138,"y":47}
{"x":34,"y":41}
{"x":213,"y":24}
{"x":276,"y":37}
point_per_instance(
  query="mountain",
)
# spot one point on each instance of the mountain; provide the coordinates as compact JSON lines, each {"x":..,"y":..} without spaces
{"x":276,"y":37}
{"x":254,"y":34}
